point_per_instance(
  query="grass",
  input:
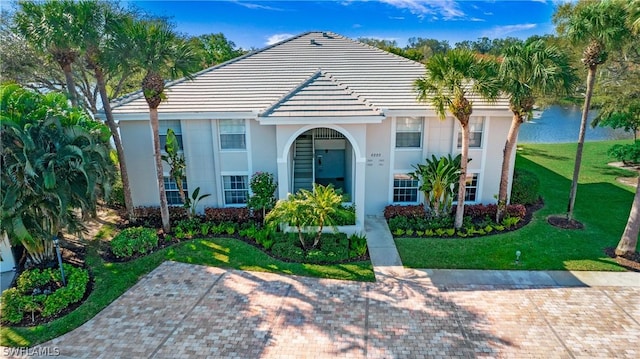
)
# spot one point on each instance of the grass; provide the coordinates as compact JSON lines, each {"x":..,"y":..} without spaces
{"x":602,"y":205}
{"x":111,"y":280}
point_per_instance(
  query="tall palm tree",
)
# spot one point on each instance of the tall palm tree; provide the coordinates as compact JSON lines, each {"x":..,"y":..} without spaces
{"x":156,"y":49}
{"x":629,"y":241}
{"x":600,"y":26}
{"x":55,"y":159}
{"x":528,"y":70}
{"x":450,"y":80}
{"x":103,"y":52}
{"x":54,"y":27}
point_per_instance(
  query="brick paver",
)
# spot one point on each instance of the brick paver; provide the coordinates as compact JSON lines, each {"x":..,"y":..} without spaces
{"x":182,"y":310}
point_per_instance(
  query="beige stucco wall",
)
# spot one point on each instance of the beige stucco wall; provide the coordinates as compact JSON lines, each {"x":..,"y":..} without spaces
{"x":199,"y":155}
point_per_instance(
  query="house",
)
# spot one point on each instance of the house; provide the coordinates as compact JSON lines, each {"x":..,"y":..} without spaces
{"x":318,"y":107}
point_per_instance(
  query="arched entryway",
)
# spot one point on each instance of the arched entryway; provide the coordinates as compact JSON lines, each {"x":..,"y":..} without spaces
{"x":323,"y":156}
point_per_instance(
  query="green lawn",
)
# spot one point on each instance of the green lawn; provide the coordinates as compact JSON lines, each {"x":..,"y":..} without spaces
{"x":602,"y":205}
{"x":113,"y":279}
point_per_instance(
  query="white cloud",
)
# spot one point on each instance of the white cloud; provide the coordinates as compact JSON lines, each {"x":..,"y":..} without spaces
{"x":501,"y":31}
{"x":396,"y":17}
{"x":476,"y":19}
{"x":277,"y":38}
{"x":447,"y":9}
{"x":257,"y":6}
{"x":356,"y":26}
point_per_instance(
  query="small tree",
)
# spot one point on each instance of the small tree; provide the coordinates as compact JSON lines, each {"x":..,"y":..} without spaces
{"x":178,"y":166}
{"x":263,"y":188}
{"x":438,"y":179}
{"x":292,"y":211}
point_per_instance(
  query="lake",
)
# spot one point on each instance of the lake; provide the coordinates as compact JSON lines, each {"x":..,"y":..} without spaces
{"x":558,"y":124}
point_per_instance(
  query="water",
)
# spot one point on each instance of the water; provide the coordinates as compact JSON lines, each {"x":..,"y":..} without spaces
{"x":561,"y":124}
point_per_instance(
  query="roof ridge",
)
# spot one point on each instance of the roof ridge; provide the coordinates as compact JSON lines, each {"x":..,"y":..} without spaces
{"x":350,"y":91}
{"x":291,"y":92}
{"x":138,"y":94}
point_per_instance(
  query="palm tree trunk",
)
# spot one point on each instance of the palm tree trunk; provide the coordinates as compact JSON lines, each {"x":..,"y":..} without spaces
{"x":164,"y":207}
{"x":629,"y":241}
{"x":591,"y":79}
{"x":102,"y":87}
{"x":509,"y":145}
{"x":71,"y":87}
{"x":462,"y":182}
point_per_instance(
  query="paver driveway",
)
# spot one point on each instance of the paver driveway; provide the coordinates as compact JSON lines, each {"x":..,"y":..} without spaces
{"x":181,"y":310}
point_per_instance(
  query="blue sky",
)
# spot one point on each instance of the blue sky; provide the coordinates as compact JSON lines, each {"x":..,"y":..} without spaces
{"x":255,"y":23}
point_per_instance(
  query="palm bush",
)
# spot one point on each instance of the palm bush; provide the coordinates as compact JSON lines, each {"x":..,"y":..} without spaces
{"x":438,"y":179}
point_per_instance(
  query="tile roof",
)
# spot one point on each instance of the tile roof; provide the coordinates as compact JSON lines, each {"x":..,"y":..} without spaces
{"x":313,"y":74}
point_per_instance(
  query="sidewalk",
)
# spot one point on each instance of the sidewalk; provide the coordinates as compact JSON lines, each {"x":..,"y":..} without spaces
{"x":386,"y":262}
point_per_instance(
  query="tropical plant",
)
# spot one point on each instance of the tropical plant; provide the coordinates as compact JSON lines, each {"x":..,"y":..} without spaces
{"x":528,"y":71}
{"x":450,"y":79}
{"x":177,"y":165}
{"x":263,"y":188}
{"x":294,"y":212}
{"x":324,"y":206}
{"x":599,"y":26}
{"x":54,"y":27}
{"x":192,"y":203}
{"x":55,"y":162}
{"x":438,"y":178}
{"x":157,"y":50}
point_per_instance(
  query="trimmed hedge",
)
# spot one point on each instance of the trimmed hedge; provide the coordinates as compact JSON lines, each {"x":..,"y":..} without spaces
{"x":414,"y":211}
{"x":231,"y":214}
{"x":526,"y":187}
{"x":26,"y":298}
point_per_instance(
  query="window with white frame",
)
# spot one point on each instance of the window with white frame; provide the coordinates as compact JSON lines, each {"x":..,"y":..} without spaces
{"x":409,"y":132}
{"x":163,"y":126}
{"x":405,"y":189}
{"x":471,"y":188}
{"x":236,"y":189}
{"x":172,"y":192}
{"x":232,"y":134}
{"x":476,"y":124}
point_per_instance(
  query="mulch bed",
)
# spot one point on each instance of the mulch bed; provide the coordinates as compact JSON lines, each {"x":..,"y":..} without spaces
{"x":631,"y":263}
{"x":564,"y":223}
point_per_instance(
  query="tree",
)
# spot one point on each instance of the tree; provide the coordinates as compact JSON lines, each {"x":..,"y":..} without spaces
{"x":213,"y":49}
{"x":177,"y":165}
{"x":527,"y":71}
{"x":156,"y":49}
{"x":55,"y":162}
{"x":55,"y":28}
{"x":629,"y":240}
{"x":101,"y":47}
{"x":449,"y":80}
{"x":263,"y":187}
{"x":599,"y":26}
{"x":438,"y":179}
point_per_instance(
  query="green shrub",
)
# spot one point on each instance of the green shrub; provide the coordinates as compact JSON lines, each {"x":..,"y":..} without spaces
{"x":628,"y":154}
{"x":188,"y":228}
{"x":134,"y":240}
{"x":526,"y":187}
{"x":16,"y":301}
{"x":357,"y":245}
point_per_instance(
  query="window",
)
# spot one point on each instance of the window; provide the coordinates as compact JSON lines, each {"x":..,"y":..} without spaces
{"x":405,"y":188}
{"x":235,"y":189}
{"x":475,"y":133}
{"x":173,"y":194}
{"x":162,"y":131}
{"x":232,"y":135}
{"x":471,"y":187}
{"x":408,"y":132}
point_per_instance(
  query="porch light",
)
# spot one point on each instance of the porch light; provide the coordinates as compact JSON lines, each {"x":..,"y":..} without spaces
{"x":57,"y":244}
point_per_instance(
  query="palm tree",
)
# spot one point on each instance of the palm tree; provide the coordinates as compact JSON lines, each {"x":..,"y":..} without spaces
{"x":600,"y":26}
{"x":55,"y":161}
{"x":438,"y":178}
{"x":54,"y":27}
{"x":629,"y":240}
{"x":157,"y":50}
{"x":103,"y":51}
{"x":528,"y":70}
{"x":450,"y":79}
